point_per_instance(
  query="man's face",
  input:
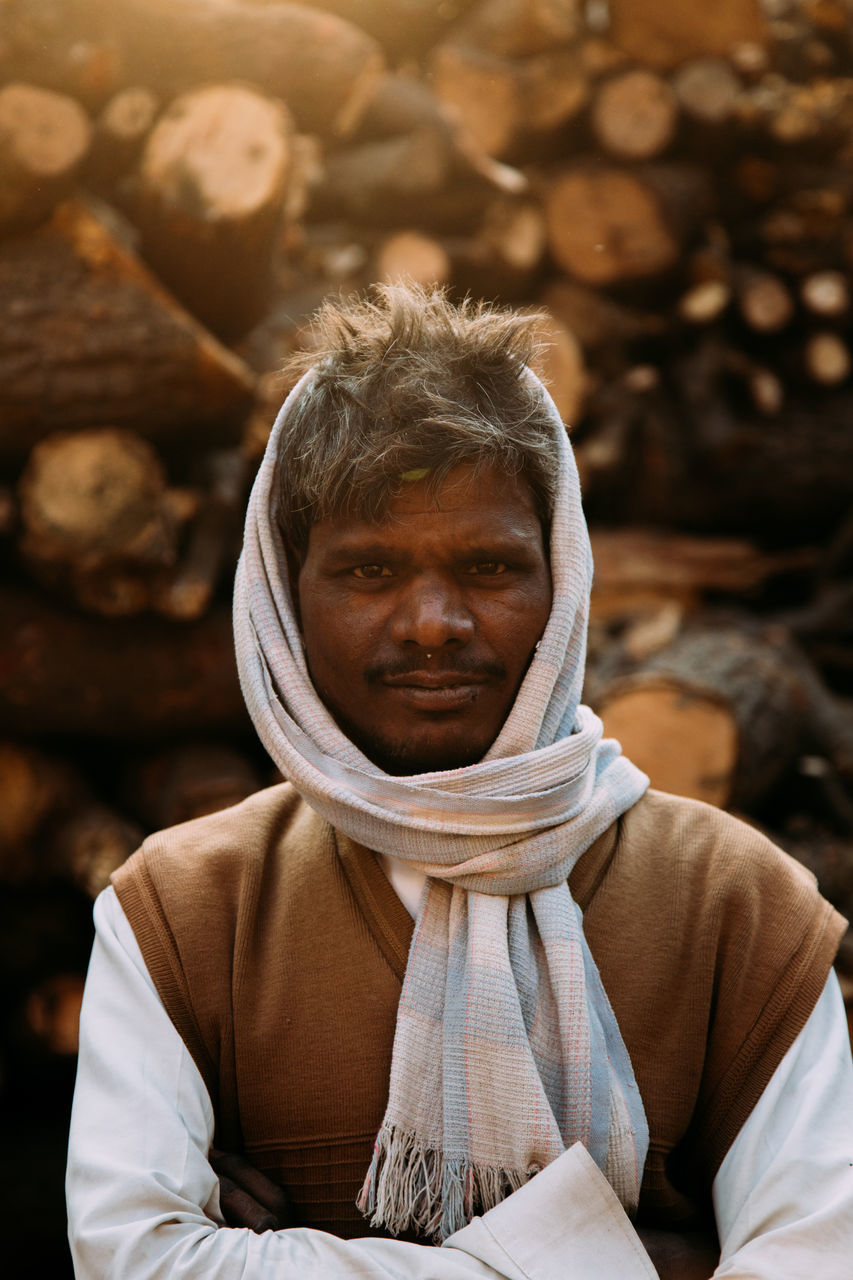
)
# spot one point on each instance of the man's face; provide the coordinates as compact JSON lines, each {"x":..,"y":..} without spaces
{"x":418,"y":630}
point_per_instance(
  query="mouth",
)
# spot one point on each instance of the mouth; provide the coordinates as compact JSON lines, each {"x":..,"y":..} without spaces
{"x":435,"y":690}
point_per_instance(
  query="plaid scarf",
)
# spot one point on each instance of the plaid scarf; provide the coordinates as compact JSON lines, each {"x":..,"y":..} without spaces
{"x":506,"y":1049}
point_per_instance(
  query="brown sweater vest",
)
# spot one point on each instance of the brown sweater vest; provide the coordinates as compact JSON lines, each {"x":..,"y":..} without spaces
{"x":279,"y":947}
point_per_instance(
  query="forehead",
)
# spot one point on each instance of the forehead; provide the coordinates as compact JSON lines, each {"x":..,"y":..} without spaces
{"x":470,"y":502}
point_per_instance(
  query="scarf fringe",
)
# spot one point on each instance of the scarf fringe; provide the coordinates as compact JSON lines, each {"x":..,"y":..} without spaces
{"x":412,"y":1188}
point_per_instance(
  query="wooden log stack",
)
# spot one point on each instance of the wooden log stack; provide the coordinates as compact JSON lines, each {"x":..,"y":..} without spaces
{"x":183,"y":181}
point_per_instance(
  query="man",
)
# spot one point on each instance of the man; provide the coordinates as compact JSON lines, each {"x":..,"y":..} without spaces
{"x":462,"y":980}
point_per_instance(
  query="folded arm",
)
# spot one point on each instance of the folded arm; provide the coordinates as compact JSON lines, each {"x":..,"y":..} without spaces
{"x":144,"y":1201}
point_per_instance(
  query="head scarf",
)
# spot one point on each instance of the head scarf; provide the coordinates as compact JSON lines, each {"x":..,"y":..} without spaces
{"x":506,"y":1049}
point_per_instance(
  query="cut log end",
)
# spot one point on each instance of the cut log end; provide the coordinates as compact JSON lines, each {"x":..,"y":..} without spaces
{"x":606,"y":225}
{"x":219,"y":153}
{"x":685,"y":740}
{"x":827,"y":359}
{"x":48,"y":132}
{"x":93,"y":496}
{"x":635,"y":115}
{"x":44,"y":138}
{"x":414,"y":257}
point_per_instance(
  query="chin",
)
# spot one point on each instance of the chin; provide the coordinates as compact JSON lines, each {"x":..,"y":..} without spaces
{"x":401,"y":759}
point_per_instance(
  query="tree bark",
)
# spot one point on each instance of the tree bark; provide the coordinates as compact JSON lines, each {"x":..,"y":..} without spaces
{"x":179,"y":783}
{"x":322,"y":66}
{"x":89,"y":337}
{"x":662,"y":34}
{"x":517,"y":28}
{"x":120,"y":133}
{"x":144,"y":679}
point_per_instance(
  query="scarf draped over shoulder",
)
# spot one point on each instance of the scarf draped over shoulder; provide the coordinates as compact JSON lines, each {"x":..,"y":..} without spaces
{"x":506,"y":1049}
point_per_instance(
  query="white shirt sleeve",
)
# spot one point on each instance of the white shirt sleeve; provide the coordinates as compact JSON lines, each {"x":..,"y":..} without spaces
{"x":143,"y":1199}
{"x":783,"y":1196}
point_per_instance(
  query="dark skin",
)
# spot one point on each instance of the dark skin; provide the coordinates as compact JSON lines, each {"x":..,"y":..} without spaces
{"x":418,"y":631}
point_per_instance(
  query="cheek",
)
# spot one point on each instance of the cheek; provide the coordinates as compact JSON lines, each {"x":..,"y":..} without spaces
{"x":338,"y":636}
{"x":523,"y":623}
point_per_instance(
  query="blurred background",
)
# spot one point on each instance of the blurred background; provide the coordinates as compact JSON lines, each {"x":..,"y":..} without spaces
{"x":181,"y":184}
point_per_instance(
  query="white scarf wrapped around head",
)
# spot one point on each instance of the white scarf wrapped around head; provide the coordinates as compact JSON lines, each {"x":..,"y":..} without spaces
{"x":506,"y":1049}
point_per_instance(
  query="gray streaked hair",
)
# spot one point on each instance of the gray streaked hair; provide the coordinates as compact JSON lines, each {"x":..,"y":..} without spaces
{"x":405,"y":381}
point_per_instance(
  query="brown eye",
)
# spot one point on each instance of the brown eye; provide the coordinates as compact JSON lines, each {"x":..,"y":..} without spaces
{"x":372,"y":571}
{"x":488,"y":568}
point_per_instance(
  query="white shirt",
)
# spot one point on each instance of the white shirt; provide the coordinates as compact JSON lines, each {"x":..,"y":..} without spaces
{"x":143,"y":1200}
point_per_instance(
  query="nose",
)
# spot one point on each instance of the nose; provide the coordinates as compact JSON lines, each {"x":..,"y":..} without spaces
{"x":432,"y":612}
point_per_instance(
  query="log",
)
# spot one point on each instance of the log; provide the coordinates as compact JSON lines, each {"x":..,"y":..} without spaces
{"x":722,"y":714}
{"x":187,"y":781}
{"x":598,"y":322}
{"x":125,"y":353}
{"x":763,"y":299}
{"x":483,"y":93}
{"x":213,"y":544}
{"x":505,"y":256}
{"x":44,"y":139}
{"x":704,"y":302}
{"x":828,"y":856}
{"x":211,"y":191}
{"x":560,"y":364}
{"x":122,"y":680}
{"x":52,"y":1013}
{"x":99,"y":523}
{"x":662,"y":34}
{"x":707,"y":90}
{"x":400,"y":102}
{"x":92,"y":497}
{"x":752,"y":382}
{"x":554,"y":89}
{"x":684,"y":738}
{"x":826,"y":294}
{"x":34,"y":788}
{"x":518,"y":28}
{"x":505,"y":106}
{"x":91,"y":844}
{"x":322,"y":66}
{"x":609,"y":225}
{"x":635,"y":115}
{"x":736,"y":475}
{"x":386,"y":180}
{"x":411,"y":255}
{"x":826,"y":357}
{"x":599,"y":56}
{"x":641,"y":565}
{"x":120,"y":133}
{"x":403,"y":30}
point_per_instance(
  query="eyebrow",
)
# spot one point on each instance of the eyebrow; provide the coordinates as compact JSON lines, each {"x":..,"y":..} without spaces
{"x":503,"y":546}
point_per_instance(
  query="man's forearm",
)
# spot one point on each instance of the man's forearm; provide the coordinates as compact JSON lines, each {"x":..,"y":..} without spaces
{"x":143,"y":1197}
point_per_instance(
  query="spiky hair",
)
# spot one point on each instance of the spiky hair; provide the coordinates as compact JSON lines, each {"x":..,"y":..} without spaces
{"x":406,"y":381}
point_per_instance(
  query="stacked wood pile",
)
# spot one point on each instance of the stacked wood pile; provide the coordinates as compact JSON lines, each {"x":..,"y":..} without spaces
{"x":183,"y":181}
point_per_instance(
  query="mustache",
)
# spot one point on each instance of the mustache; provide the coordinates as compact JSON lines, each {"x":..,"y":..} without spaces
{"x":460,"y":665}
